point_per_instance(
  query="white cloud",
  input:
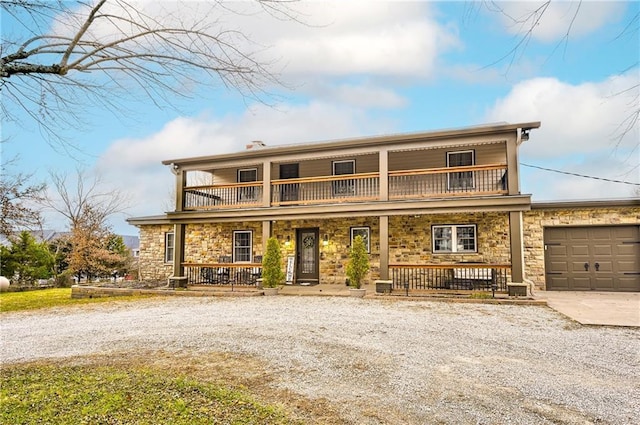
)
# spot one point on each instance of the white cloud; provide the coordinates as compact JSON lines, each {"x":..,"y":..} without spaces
{"x":580,"y":132}
{"x":135,"y":164}
{"x":551,"y":21}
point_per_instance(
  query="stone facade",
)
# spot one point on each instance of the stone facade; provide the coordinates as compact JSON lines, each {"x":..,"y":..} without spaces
{"x":410,"y":238}
{"x":535,"y":221}
{"x":335,"y":253}
{"x":152,"y":252}
{"x":207,"y":242}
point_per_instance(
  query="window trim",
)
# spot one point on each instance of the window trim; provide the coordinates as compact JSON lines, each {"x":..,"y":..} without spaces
{"x":454,"y":239}
{"x":346,"y":187}
{"x":233,"y":246}
{"x":451,"y":186}
{"x":169,"y":249}
{"x":368,"y":239}
{"x":247,"y":193}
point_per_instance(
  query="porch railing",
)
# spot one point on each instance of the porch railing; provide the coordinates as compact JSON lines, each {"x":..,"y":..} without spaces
{"x":459,"y":276}
{"x":317,"y":190}
{"x":245,"y":274}
{"x":485,"y":179}
{"x":406,"y":184}
{"x":221,"y":196}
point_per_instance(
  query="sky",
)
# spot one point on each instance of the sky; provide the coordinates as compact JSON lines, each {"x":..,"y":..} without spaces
{"x":353,"y":69}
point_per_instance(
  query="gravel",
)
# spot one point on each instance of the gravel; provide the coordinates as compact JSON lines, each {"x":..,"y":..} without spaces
{"x":375,"y":361}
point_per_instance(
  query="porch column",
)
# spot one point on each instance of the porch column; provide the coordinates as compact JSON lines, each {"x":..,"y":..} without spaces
{"x":266,"y":234}
{"x":383,"y":171}
{"x":178,"y":250}
{"x":180,"y":183}
{"x":517,"y":251}
{"x":266,"y":184}
{"x":384,"y":247}
{"x":513,"y":183}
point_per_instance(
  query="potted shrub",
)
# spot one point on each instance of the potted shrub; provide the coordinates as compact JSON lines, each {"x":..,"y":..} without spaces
{"x":272,"y":273}
{"x":358,"y":266}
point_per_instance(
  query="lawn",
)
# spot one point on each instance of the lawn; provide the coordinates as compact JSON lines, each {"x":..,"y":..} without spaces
{"x":44,"y":298}
{"x":82,"y":394}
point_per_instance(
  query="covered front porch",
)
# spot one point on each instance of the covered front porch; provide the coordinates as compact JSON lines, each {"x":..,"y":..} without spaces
{"x":418,"y":252}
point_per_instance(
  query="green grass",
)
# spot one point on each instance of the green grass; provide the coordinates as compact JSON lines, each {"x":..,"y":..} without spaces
{"x":44,"y":298}
{"x":117,"y":395}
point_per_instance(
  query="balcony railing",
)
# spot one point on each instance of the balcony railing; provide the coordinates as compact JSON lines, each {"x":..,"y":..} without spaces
{"x":223,"y":273}
{"x":450,"y":181}
{"x":223,"y":196}
{"x":406,"y":184}
{"x":460,"y":276}
{"x":346,"y":188}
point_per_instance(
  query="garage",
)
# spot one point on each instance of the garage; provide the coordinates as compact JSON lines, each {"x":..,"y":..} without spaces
{"x":592,"y":258}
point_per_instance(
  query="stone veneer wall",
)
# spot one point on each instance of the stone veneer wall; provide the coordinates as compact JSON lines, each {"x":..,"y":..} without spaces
{"x":536,"y":220}
{"x":151,"y":260}
{"x":410,"y":238}
{"x":205,"y":243}
{"x":333,"y":256}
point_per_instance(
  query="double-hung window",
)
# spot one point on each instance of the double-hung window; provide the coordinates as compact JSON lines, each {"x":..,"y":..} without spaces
{"x":168,"y":247}
{"x":242,"y":246}
{"x":247,"y":194}
{"x":346,"y":187}
{"x":460,"y":180}
{"x":454,"y":238}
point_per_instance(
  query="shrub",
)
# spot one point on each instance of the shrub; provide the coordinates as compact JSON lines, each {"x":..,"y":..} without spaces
{"x":358,"y":264}
{"x":272,"y":273}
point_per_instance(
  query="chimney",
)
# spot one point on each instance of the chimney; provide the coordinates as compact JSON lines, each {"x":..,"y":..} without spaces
{"x":256,"y":144}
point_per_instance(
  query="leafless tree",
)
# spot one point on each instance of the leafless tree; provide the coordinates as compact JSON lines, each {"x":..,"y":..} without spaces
{"x":87,"y":206}
{"x":75,"y":200}
{"x":18,"y":201}
{"x":70,"y":54}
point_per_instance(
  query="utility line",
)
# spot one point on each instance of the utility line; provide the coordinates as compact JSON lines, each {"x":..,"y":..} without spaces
{"x":580,"y":175}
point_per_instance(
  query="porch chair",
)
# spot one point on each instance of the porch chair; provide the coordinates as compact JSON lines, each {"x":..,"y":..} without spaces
{"x":223,"y":273}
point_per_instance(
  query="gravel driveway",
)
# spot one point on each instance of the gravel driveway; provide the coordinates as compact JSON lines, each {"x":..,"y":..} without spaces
{"x":374,"y":361}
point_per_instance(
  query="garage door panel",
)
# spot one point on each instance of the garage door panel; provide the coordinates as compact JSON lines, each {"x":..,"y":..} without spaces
{"x":629,"y":283}
{"x":558,"y":266}
{"x":625,"y":249}
{"x":581,"y":283}
{"x":604,"y":284}
{"x":627,"y":266}
{"x":579,"y":250}
{"x":559,"y":283}
{"x":605,"y":250}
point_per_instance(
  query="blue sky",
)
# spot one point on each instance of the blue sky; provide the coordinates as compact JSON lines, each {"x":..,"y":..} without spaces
{"x":369,"y":68}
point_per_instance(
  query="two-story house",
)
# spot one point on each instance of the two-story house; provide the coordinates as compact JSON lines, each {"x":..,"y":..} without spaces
{"x":438,"y":210}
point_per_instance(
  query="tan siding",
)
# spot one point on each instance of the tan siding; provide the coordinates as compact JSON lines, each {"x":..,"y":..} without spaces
{"x":323,"y":167}
{"x":437,"y":158}
{"x":230,"y":175}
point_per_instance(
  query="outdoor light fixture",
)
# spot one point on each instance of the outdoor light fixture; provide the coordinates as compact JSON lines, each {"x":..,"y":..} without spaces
{"x":325,"y":242}
{"x":288,"y":242}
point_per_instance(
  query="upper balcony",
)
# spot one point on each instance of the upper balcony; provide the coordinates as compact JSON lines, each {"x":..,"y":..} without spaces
{"x":417,"y":184}
{"x":471,"y":163}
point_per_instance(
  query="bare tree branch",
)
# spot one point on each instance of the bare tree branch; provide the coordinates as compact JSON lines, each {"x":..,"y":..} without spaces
{"x":102,"y":46}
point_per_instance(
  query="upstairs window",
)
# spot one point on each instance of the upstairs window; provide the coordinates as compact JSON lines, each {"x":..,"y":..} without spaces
{"x":247,"y":175}
{"x":454,"y":239}
{"x":462,"y":180}
{"x":168,"y":247}
{"x":242,"y":246}
{"x":344,"y":187}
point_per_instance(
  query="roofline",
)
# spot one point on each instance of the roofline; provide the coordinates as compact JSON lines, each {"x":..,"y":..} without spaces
{"x":356,"y":142}
{"x":586,"y":203}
